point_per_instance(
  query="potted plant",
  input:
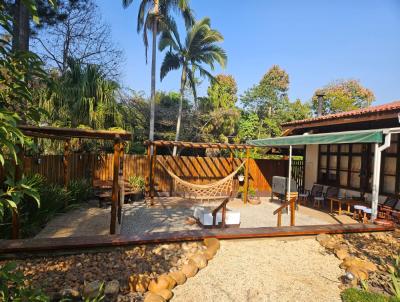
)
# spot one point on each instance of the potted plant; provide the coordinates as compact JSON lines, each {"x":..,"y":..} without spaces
{"x":137,"y":185}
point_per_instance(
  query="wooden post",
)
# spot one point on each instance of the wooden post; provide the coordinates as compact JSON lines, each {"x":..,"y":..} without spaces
{"x":121,"y":182}
{"x":15,"y":225}
{"x":67,"y":144}
{"x":153,"y":167}
{"x":246,"y":177}
{"x":148,"y":178}
{"x":279,"y":219}
{"x":292,"y":211}
{"x":115,"y":185}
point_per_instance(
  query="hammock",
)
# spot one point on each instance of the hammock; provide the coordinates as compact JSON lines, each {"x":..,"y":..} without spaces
{"x":216,"y":190}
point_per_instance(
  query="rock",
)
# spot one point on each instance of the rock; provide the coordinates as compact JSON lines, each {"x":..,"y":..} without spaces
{"x":158,"y":284}
{"x":357,"y":272}
{"x":151,"y":297}
{"x":341,"y":253}
{"x":91,"y":289}
{"x":112,"y":288}
{"x":190,"y":221}
{"x":70,"y":293}
{"x":190,"y":269}
{"x":356,"y":262}
{"x":323,"y":238}
{"x":138,"y":283}
{"x":212,"y":242}
{"x":179,"y":277}
{"x":200,"y":260}
{"x":171,"y":281}
{"x":209,"y":253}
{"x":166,"y":294}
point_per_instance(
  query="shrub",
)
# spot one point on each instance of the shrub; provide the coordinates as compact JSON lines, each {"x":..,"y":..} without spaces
{"x":137,"y":183}
{"x":357,"y":295}
{"x":80,"y":190}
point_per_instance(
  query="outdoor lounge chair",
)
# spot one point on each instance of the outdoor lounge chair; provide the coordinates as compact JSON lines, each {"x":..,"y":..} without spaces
{"x":219,"y":217}
{"x":308,"y":195}
{"x":390,"y":209}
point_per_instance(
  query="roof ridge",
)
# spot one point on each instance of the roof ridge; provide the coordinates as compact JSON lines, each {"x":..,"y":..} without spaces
{"x":372,"y":109}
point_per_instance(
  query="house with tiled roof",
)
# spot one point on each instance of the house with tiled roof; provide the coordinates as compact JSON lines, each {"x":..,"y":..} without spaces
{"x":349,"y":166}
{"x":355,"y":153}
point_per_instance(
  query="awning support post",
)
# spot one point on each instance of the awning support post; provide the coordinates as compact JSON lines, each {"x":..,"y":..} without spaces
{"x":376,"y":174}
{"x":289,"y":174}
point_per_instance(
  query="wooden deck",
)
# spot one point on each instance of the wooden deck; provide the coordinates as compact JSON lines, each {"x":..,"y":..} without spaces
{"x":90,"y":242}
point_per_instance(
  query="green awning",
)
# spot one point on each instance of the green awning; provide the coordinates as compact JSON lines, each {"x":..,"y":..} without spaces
{"x":365,"y":136}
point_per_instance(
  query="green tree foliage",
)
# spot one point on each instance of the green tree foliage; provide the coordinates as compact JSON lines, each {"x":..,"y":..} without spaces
{"x":344,"y":95}
{"x":270,"y":102}
{"x":81,"y":96}
{"x":218,"y":113}
{"x":199,"y":50}
{"x":154,"y":15}
{"x":223,"y":92}
{"x":18,"y":69}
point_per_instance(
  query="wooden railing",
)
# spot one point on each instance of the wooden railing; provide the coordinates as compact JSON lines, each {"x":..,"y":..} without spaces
{"x":292,"y":205}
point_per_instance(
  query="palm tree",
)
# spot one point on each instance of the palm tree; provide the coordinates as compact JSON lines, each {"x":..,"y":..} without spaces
{"x":153,"y":15}
{"x":200,"y":48}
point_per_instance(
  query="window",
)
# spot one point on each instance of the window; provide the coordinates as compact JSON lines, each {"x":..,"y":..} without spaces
{"x":350,"y":166}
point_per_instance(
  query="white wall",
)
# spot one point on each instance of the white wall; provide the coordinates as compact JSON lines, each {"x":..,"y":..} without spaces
{"x":311,"y":167}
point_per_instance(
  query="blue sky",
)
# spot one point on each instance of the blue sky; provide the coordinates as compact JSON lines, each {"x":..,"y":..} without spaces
{"x":315,"y":41}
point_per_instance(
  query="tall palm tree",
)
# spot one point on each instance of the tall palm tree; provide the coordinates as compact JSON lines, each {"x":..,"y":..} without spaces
{"x":198,"y":50}
{"x":153,"y":15}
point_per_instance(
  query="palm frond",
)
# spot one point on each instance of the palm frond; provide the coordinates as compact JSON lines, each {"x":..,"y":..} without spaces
{"x":171,"y":62}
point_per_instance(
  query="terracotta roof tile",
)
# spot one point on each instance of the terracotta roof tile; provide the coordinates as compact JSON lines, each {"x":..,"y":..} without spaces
{"x":353,"y":113}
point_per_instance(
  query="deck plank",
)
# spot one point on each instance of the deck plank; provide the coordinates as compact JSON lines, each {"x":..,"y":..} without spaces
{"x":90,"y":242}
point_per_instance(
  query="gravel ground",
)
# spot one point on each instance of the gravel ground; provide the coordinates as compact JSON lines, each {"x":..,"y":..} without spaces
{"x":266,"y":270}
{"x":139,"y":218}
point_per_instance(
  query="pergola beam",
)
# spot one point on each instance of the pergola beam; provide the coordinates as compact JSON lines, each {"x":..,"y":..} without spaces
{"x":65,"y":133}
{"x":162,"y":143}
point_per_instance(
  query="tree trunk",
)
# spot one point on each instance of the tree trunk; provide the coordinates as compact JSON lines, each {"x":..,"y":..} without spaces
{"x":21,"y":28}
{"x":178,"y":122}
{"x":153,"y":73}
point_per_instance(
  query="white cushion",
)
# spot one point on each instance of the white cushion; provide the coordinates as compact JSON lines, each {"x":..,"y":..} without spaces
{"x":367,"y":210}
{"x":198,"y":212}
{"x":207,"y":219}
{"x":303,"y":195}
{"x":232,"y":217}
{"x":319,"y":198}
{"x":359,"y":207}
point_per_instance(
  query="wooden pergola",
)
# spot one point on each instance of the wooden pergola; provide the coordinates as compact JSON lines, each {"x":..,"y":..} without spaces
{"x":66,"y":134}
{"x":191,"y":145}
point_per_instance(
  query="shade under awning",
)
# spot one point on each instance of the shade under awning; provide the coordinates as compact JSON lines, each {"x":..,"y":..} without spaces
{"x":365,"y":136}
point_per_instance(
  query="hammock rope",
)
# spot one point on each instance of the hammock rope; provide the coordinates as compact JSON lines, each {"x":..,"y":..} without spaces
{"x":208,"y":191}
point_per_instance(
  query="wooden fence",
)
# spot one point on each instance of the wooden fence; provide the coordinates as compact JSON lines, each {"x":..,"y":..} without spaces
{"x":199,"y":170}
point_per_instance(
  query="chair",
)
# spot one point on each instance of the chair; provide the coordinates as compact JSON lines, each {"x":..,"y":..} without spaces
{"x":309,"y":195}
{"x":327,"y":192}
{"x":389,"y":208}
{"x":367,"y":214}
{"x":358,"y":212}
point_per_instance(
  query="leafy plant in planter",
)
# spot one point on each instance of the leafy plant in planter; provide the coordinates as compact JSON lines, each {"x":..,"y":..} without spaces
{"x":137,"y":184}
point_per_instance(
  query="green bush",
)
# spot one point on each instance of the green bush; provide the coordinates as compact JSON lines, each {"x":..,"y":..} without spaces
{"x":54,"y":200}
{"x":356,"y":295}
{"x":137,"y":183}
{"x":80,"y":190}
